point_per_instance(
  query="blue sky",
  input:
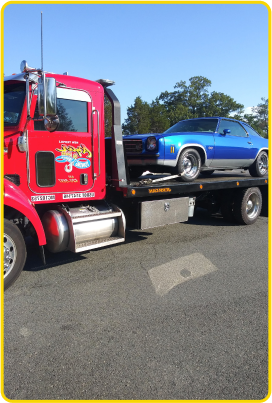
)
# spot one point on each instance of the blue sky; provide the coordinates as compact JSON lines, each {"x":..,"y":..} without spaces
{"x":145,"y":48}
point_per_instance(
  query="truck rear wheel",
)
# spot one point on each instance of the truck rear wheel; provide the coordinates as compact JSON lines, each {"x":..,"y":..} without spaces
{"x":247,"y":205}
{"x":14,"y":253}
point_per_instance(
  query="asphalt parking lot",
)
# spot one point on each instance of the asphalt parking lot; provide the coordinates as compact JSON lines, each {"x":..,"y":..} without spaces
{"x":178,"y":312}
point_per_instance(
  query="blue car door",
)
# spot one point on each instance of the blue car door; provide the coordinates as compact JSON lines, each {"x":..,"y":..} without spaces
{"x":233,"y":146}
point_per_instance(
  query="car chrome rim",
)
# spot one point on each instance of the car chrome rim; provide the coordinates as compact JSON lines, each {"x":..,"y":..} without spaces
{"x":190,"y":165}
{"x":253,"y":205}
{"x":10,"y":254}
{"x":263,"y":163}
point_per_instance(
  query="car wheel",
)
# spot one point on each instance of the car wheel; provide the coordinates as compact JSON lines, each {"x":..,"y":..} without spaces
{"x":247,"y":205}
{"x":14,"y":253}
{"x":260,"y":165}
{"x":189,"y":164}
{"x":207,"y":173}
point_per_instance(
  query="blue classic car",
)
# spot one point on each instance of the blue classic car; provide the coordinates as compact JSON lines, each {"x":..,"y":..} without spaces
{"x":197,"y":146}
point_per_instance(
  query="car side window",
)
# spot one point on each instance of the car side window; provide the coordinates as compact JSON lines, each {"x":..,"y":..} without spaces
{"x":235,"y":128}
{"x":251,"y":131}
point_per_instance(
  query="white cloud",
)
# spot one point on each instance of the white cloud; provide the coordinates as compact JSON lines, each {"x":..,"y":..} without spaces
{"x":248,"y":110}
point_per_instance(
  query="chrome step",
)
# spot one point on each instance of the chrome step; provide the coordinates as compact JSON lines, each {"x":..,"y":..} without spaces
{"x":98,"y":243}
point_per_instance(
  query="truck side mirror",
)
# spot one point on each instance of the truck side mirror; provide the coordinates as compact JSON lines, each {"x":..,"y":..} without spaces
{"x":51,"y":123}
{"x":47,"y":96}
{"x":47,"y":102}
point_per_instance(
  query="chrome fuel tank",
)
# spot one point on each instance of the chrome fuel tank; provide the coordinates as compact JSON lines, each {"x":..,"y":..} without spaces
{"x":83,"y":228}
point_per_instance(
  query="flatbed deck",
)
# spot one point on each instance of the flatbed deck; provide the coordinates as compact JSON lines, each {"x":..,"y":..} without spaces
{"x":218,"y":180}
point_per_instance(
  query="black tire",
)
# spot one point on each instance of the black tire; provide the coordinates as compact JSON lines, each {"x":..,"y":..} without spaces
{"x":247,"y":205}
{"x":259,"y":167}
{"x":189,"y":163}
{"x":226,"y":206}
{"x":14,"y":253}
{"x":207,"y":173}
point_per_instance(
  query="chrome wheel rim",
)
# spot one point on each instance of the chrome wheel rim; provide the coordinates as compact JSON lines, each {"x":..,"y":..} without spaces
{"x":253,"y":206}
{"x":190,"y":165}
{"x":10,"y":254}
{"x":263,"y":163}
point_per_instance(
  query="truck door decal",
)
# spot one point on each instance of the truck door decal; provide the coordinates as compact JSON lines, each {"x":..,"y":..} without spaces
{"x":73,"y":155}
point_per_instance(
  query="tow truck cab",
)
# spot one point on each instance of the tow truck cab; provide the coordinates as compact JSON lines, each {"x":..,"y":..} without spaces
{"x":57,"y":165}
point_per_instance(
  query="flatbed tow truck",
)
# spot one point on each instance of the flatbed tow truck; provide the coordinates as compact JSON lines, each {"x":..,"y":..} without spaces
{"x":69,"y":187}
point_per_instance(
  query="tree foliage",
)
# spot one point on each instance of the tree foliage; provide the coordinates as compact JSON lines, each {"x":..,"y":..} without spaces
{"x":258,"y":120}
{"x":138,"y":120}
{"x":188,"y":101}
{"x":66,"y":123}
{"x":185,"y":102}
{"x":107,"y":116}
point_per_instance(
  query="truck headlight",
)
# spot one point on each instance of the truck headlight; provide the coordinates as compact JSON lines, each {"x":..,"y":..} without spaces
{"x":151,"y":143}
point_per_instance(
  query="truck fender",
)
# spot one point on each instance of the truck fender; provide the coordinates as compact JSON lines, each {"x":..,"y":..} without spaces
{"x":16,"y":199}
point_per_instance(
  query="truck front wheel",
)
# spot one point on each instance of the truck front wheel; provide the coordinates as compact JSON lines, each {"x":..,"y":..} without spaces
{"x":14,"y":253}
{"x":247,"y":205}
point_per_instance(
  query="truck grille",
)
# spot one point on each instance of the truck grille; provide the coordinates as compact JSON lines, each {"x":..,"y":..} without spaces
{"x":133,"y":146}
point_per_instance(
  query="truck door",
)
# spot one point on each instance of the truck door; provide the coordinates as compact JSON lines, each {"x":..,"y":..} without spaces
{"x":61,"y":161}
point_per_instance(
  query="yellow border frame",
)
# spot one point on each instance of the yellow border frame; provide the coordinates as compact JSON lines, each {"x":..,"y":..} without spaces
{"x":1,"y":172}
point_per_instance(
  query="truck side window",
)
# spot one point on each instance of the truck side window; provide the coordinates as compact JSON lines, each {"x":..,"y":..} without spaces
{"x":45,"y":168}
{"x":72,"y":115}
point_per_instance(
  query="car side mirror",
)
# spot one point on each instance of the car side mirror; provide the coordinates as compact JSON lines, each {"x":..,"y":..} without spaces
{"x":226,"y":131}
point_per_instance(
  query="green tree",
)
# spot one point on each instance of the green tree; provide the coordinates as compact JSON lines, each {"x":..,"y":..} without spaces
{"x":159,"y":121}
{"x":66,"y":123}
{"x":198,"y":94}
{"x":138,"y":120}
{"x":219,"y":104}
{"x":194,"y":100}
{"x":176,"y":103}
{"x":261,"y":113}
{"x":107,"y":116}
{"x":258,"y":119}
{"x":185,"y":102}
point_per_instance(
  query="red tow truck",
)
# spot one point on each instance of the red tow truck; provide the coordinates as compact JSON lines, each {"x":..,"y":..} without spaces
{"x":69,"y":187}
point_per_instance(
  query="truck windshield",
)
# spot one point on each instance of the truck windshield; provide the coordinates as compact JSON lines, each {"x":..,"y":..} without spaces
{"x":13,"y":103}
{"x":194,"y":125}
